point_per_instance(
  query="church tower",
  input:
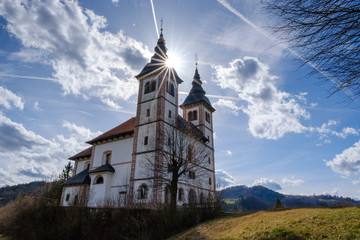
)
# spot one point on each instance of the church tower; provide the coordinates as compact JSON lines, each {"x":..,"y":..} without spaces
{"x":157,"y":107}
{"x":197,"y":109}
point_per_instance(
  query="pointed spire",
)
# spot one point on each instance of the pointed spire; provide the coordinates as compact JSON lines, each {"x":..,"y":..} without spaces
{"x":196,"y":75}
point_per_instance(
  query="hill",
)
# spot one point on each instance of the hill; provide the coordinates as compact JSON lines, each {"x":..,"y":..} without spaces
{"x":243,"y":198}
{"x":10,"y":193}
{"x":305,"y":223}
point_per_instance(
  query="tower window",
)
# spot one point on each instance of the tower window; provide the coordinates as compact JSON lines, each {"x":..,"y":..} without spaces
{"x":170,"y":113}
{"x":209,"y":181}
{"x":207,"y":117}
{"x":87,"y":165}
{"x":191,"y":174}
{"x":150,"y":87}
{"x":170,"y":89}
{"x":209,"y":160}
{"x":192,"y":115}
{"x":181,"y":194}
{"x":67,"y":197}
{"x":142,"y":191}
{"x":146,"y":140}
{"x":148,"y":112}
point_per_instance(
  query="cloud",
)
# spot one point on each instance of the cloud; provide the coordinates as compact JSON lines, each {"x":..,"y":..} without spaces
{"x":30,"y":157}
{"x":36,"y":107}
{"x":347,"y":162}
{"x":325,"y":131}
{"x":224,"y":179}
{"x":8,"y":98}
{"x":272,"y":113}
{"x":292,"y":181}
{"x":228,"y":152}
{"x":228,"y":104}
{"x":87,"y":60}
{"x":268,"y":183}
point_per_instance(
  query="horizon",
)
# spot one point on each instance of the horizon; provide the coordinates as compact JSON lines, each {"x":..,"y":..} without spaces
{"x":67,"y":75}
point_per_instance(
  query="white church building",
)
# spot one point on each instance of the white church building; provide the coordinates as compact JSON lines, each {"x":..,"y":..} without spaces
{"x":112,"y":170}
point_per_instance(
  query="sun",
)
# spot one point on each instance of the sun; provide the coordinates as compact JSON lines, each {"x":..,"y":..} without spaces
{"x":173,"y":61}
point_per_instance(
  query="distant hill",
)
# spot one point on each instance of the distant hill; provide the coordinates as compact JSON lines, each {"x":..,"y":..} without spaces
{"x":243,"y":198}
{"x":10,"y":193}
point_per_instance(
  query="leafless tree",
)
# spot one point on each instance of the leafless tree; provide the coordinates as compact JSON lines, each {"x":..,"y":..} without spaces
{"x":181,"y":158}
{"x":327,"y":33}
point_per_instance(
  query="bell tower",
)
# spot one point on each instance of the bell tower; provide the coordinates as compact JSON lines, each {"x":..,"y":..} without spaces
{"x":197,"y":109}
{"x":157,"y":107}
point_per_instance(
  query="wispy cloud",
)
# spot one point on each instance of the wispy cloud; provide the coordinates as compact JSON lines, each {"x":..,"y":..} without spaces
{"x":292,"y":181}
{"x":9,"y":99}
{"x":224,"y":179}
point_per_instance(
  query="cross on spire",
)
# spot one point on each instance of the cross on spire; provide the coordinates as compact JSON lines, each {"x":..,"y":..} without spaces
{"x":161,"y":24}
{"x":196,"y":60}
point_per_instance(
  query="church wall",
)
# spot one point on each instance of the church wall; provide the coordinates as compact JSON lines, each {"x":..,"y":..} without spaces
{"x":81,"y":165}
{"x":121,"y":151}
{"x":172,"y":108}
{"x":148,"y":130}
{"x":143,"y":112}
{"x":100,"y":193}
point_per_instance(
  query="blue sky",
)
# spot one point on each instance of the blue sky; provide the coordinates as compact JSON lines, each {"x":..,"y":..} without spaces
{"x":67,"y":74}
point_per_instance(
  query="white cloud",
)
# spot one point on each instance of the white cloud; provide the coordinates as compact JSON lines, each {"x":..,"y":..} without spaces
{"x":228,"y":152}
{"x":347,"y":162}
{"x":268,"y":183}
{"x":26,"y":156}
{"x":272,"y":113}
{"x":224,"y":179}
{"x":36,"y":106}
{"x":8,"y":98}
{"x":228,"y":104}
{"x":292,"y":181}
{"x":87,"y":60}
{"x":325,"y":131}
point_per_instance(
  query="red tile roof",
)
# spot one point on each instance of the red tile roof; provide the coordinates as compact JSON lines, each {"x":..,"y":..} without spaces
{"x":84,"y":153}
{"x":123,"y":129}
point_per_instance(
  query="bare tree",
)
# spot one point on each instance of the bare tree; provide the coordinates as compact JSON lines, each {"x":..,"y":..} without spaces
{"x":181,"y":158}
{"x":66,"y":172}
{"x":327,"y":33}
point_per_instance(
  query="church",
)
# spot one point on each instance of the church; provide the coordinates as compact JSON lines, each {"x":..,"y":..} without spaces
{"x":135,"y":163}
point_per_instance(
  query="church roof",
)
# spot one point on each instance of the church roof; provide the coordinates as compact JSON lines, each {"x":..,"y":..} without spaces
{"x":184,"y":125}
{"x":197,"y":93}
{"x":123,"y":129}
{"x":103,"y":168}
{"x":85,"y":153}
{"x":80,"y":178}
{"x":158,"y":63}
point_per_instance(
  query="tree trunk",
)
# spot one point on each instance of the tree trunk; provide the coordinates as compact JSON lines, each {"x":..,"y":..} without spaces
{"x":173,"y":192}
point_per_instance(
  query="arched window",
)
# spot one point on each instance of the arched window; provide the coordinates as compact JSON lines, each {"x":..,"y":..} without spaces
{"x":87,"y":165}
{"x":192,"y":198}
{"x":170,"y":89}
{"x":207,"y":117}
{"x":150,"y":87}
{"x":190,"y":116}
{"x":194,"y":115}
{"x":167,"y":195}
{"x":181,"y":195}
{"x":202,"y":198}
{"x":142,"y":191}
{"x":99,"y":180}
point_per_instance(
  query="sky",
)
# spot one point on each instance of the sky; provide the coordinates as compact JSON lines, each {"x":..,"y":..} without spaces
{"x":67,"y":75}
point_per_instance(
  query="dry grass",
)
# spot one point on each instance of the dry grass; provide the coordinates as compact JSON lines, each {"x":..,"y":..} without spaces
{"x":307,"y":223}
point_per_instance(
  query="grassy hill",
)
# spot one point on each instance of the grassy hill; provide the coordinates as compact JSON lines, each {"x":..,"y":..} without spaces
{"x":294,"y":224}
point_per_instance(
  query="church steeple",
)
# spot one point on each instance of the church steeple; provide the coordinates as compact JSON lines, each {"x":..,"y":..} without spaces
{"x":197,"y":93}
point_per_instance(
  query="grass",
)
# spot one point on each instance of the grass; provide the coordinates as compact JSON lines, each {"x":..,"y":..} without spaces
{"x":3,"y":238}
{"x":294,"y":224}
